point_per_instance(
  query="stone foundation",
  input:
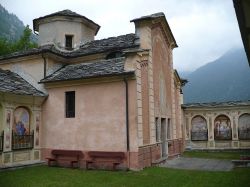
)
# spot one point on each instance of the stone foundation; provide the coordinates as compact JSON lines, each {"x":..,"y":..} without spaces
{"x":148,"y":154}
{"x":175,"y":147}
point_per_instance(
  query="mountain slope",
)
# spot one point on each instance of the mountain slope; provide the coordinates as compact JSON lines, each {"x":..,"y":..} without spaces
{"x":225,"y":79}
{"x":11,"y":27}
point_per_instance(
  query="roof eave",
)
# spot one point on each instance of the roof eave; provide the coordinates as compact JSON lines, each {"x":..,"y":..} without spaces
{"x":244,"y":30}
{"x":130,"y":74}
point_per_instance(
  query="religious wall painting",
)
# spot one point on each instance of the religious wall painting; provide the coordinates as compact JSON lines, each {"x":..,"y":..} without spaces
{"x":199,"y":129}
{"x":244,"y":127}
{"x":21,"y":125}
{"x":222,"y":128}
{"x":7,"y":132}
{"x":37,"y":129}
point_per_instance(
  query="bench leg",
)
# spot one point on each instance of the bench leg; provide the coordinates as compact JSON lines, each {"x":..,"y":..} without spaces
{"x":72,"y":163}
{"x":87,"y":164}
{"x":51,"y":160}
{"x":114,"y":165}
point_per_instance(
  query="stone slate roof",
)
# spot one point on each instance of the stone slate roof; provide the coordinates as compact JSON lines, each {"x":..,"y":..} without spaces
{"x":111,"y":44}
{"x":152,"y":16}
{"x":67,"y":13}
{"x":102,"y":68}
{"x":12,"y":83}
{"x":216,"y":104}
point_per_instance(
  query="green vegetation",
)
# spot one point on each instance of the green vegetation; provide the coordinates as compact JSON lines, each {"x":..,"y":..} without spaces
{"x":54,"y":176}
{"x":24,"y":43}
{"x":215,"y":155}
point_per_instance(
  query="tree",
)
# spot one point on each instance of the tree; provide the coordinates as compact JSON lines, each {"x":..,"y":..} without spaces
{"x":24,"y":43}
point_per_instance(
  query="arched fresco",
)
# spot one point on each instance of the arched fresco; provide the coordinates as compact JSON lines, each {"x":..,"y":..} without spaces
{"x":21,"y":137}
{"x":199,"y":128}
{"x":21,"y":124}
{"x":222,"y":128}
{"x":244,"y":127}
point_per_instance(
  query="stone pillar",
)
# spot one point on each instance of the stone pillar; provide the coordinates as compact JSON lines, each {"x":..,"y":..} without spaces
{"x":235,"y":136}
{"x":211,"y":142}
{"x":7,"y":126}
{"x":36,"y":128}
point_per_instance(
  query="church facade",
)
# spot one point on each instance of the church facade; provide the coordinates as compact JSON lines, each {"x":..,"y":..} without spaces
{"x":119,"y":94}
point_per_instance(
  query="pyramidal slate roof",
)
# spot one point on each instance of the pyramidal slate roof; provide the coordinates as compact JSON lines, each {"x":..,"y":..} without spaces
{"x":67,"y":13}
{"x":12,"y":83}
{"x":102,"y":68}
{"x":216,"y":104}
{"x":96,"y":46}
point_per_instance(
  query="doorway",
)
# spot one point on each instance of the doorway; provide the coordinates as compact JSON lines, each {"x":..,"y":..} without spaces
{"x":164,"y":148}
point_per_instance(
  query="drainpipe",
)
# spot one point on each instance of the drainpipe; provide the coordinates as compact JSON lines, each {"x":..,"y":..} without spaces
{"x":127,"y":120}
{"x":44,"y":66}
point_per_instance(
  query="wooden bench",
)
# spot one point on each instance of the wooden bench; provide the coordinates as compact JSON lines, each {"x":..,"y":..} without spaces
{"x":244,"y":157}
{"x":115,"y":158}
{"x":58,"y":154}
{"x":240,"y":163}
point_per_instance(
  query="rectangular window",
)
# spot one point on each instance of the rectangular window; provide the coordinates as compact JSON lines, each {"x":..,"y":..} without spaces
{"x":68,"y":41}
{"x":70,"y":104}
{"x":168,"y":130}
{"x":156,"y":130}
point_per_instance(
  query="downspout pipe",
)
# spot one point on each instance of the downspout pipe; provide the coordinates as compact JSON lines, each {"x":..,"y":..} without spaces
{"x":127,"y":123}
{"x":127,"y":116}
{"x":44,"y":65}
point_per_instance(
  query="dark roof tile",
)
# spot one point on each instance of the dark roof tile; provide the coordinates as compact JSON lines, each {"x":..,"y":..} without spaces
{"x":122,"y":42}
{"x":216,"y":104}
{"x":12,"y":83}
{"x":111,"y":67}
{"x":152,"y":16}
{"x":66,"y":12}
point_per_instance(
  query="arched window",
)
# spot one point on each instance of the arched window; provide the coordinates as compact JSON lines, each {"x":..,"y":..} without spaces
{"x":199,"y":128}
{"x":244,"y":127}
{"x":21,"y":136}
{"x":222,"y":128}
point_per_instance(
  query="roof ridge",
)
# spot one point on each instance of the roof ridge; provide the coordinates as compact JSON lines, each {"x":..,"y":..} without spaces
{"x":108,"y":38}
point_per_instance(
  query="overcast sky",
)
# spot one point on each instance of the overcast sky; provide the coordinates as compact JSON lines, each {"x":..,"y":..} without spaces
{"x":203,"y":29}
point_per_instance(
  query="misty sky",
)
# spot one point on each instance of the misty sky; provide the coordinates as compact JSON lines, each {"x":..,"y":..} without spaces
{"x":203,"y":29}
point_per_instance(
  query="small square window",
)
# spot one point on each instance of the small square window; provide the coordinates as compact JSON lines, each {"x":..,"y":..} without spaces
{"x":68,"y":41}
{"x":70,"y":104}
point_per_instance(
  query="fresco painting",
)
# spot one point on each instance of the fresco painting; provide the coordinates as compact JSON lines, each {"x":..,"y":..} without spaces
{"x":244,"y":127}
{"x":21,"y":124}
{"x":37,"y":129}
{"x":7,"y":136}
{"x":199,"y":128}
{"x":222,"y":128}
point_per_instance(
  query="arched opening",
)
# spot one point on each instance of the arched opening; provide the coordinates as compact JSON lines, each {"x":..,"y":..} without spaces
{"x":222,"y":128}
{"x":22,"y":138}
{"x":199,"y":129}
{"x":244,"y":127}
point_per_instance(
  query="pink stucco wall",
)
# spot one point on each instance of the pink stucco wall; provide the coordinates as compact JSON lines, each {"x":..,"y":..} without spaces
{"x":100,"y":118}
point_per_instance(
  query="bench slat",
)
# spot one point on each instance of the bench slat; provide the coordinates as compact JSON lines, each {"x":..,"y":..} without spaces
{"x":104,"y":156}
{"x":58,"y":153}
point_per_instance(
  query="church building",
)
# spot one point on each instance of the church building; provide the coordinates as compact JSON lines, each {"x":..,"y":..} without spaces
{"x":119,"y":94}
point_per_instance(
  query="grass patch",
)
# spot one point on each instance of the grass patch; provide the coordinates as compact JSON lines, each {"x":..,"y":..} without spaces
{"x":215,"y":155}
{"x":53,"y":176}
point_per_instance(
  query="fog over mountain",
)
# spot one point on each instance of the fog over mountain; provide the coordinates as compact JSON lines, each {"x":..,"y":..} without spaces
{"x":225,"y":79}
